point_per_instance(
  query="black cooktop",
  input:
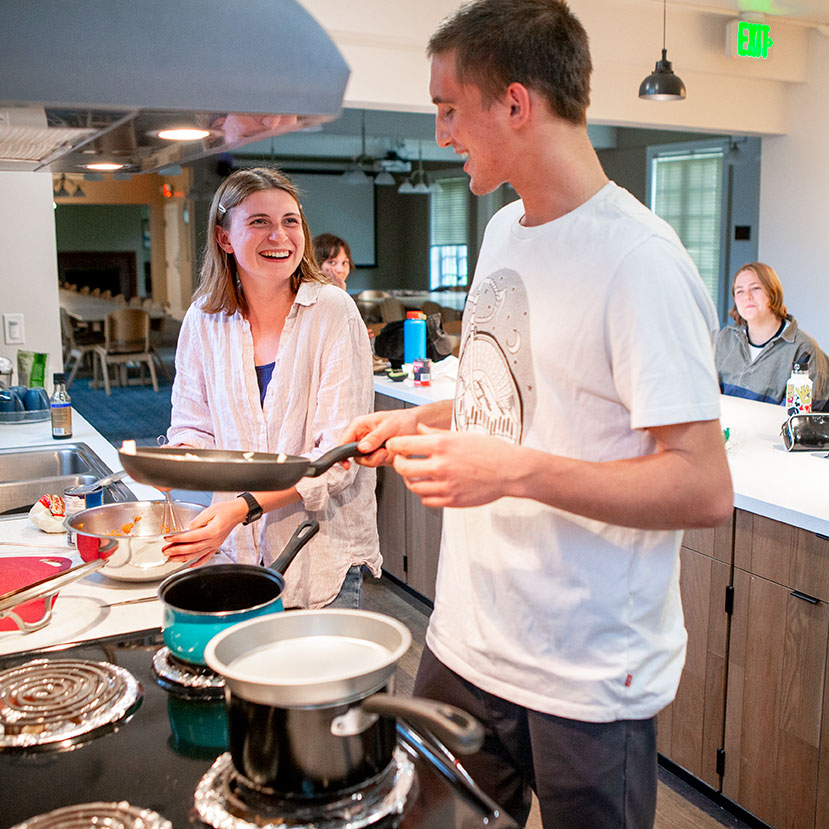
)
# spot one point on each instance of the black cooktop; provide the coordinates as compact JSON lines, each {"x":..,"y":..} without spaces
{"x":155,"y":757}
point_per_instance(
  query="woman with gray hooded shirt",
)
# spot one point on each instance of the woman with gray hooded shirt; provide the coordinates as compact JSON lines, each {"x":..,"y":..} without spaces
{"x":755,"y":355}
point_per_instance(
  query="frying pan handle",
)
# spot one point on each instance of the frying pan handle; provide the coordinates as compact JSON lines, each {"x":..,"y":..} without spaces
{"x":460,"y":731}
{"x":302,"y":535}
{"x":324,"y":462}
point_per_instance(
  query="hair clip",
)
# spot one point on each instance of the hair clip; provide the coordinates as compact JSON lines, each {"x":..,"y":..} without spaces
{"x":222,"y":209}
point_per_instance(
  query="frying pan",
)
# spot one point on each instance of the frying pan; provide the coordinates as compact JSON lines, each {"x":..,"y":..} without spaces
{"x":180,"y":467}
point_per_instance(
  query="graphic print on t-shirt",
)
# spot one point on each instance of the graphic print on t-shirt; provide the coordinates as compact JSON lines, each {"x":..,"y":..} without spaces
{"x":496,"y":390}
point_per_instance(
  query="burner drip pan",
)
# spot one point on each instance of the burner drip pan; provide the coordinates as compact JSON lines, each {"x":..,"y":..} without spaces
{"x":225,"y":800}
{"x":186,"y":680}
{"x":55,"y":703}
{"x":83,"y":815}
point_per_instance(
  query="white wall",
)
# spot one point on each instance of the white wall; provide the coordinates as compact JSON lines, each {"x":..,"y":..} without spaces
{"x":384,"y":43}
{"x":794,"y":209}
{"x":28,"y":265}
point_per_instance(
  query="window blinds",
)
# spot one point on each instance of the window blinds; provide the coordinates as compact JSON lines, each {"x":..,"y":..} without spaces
{"x":448,"y":214}
{"x":687,"y":193}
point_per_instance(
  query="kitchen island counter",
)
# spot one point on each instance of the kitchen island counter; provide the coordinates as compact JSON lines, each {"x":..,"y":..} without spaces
{"x":791,"y":487}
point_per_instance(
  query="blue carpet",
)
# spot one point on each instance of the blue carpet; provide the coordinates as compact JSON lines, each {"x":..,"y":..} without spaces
{"x":129,"y":413}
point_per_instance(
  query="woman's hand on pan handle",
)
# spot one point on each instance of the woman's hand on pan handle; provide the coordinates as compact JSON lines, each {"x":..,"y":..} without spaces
{"x":373,"y":430}
{"x":206,"y":532}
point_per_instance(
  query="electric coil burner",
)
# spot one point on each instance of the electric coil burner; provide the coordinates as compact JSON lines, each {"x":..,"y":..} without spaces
{"x":113,"y":815}
{"x":57,"y":703}
{"x":159,"y":755}
{"x":186,"y":680}
{"x":226,"y":800}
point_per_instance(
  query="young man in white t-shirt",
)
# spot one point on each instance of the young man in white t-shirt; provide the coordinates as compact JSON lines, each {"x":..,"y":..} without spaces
{"x":583,"y":437}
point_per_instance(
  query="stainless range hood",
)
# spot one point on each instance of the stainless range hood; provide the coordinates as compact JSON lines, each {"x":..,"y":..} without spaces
{"x":91,"y":81}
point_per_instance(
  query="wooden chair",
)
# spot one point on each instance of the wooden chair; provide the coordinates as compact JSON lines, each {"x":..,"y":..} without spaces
{"x":430,"y":308}
{"x":453,"y":329}
{"x":76,"y":345}
{"x":126,"y":340}
{"x":449,"y":314}
{"x":392,"y":309}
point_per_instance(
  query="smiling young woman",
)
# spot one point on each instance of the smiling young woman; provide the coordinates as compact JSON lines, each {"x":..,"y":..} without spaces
{"x":273,"y":358}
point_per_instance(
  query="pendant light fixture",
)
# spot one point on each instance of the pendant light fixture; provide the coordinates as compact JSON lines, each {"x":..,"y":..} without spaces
{"x":419,"y":182}
{"x":662,"y":84}
{"x":355,"y":174}
{"x":60,"y":190}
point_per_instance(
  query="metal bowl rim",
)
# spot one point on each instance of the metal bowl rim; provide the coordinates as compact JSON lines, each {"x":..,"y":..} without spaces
{"x":70,"y":520}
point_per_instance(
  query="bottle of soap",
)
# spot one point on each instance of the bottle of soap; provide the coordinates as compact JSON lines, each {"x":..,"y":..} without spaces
{"x":61,"y":407}
{"x":799,"y":387}
{"x":414,"y":337}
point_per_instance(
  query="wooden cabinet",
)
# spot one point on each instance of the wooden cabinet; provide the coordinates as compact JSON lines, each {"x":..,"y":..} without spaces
{"x":409,"y":532}
{"x":751,"y":715}
{"x":776,"y":700}
{"x":691,"y":728}
{"x":391,"y":509}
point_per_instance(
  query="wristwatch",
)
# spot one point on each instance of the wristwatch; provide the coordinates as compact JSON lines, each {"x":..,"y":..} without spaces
{"x":254,"y":508}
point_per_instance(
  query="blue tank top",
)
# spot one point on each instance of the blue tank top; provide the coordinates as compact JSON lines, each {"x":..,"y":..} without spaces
{"x":263,"y":377}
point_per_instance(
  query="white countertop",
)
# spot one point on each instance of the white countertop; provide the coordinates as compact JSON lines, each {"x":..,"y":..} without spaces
{"x":792,"y":487}
{"x":80,"y":612}
{"x":442,"y":385}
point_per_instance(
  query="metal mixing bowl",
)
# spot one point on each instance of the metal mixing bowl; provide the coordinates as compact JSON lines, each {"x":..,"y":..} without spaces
{"x":130,"y":535}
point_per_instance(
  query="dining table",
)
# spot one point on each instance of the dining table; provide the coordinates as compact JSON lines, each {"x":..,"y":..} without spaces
{"x":88,"y":309}
{"x":414,"y":299}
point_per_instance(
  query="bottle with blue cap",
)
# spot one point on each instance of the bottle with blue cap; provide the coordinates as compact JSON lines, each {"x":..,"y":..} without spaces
{"x":414,"y":337}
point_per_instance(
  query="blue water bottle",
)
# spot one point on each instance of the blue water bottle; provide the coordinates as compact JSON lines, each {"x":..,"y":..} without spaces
{"x":414,"y":337}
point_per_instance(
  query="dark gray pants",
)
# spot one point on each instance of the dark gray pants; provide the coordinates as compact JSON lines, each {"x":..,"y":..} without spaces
{"x":586,"y":775}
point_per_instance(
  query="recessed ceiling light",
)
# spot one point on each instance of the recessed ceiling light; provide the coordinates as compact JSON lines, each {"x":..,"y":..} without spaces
{"x":105,"y":166}
{"x":188,"y":134}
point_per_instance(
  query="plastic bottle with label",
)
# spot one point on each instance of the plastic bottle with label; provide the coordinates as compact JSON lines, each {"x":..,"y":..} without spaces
{"x":799,"y":388}
{"x":61,"y":406}
{"x":414,"y":337}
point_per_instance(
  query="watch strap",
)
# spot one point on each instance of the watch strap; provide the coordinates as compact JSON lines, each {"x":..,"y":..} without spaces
{"x":254,"y":508}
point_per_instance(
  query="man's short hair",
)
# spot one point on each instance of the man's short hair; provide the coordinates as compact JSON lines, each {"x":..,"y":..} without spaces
{"x":538,"y":43}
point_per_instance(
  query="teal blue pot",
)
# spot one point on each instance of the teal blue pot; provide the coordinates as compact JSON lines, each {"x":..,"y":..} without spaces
{"x":202,"y":602}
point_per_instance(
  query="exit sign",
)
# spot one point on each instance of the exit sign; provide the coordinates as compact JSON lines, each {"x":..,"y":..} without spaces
{"x":749,"y":39}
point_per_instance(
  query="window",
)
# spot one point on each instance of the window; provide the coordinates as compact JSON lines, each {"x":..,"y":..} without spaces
{"x":448,"y":234}
{"x":686,"y":191}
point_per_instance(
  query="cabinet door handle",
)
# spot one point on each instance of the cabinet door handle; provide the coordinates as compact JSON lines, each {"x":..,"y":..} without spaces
{"x":805,"y":596}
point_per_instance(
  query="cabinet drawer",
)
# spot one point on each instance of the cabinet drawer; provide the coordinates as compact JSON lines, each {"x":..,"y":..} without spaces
{"x":795,"y":558}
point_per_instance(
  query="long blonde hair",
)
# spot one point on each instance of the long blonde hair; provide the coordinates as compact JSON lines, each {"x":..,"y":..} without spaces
{"x":219,"y":289}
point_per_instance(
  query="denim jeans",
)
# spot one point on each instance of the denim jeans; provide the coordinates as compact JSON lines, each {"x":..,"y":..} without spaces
{"x":351,"y":592}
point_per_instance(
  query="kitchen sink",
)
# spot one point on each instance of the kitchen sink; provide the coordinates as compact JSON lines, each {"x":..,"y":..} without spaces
{"x":27,"y":474}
